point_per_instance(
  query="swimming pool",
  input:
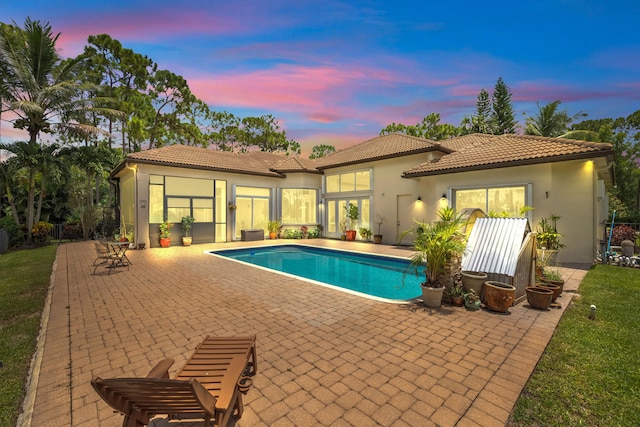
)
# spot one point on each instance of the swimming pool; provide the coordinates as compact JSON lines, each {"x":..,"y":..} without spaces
{"x":370,"y":275}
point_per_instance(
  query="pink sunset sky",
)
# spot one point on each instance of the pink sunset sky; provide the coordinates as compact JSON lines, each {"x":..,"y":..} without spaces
{"x":337,"y":72}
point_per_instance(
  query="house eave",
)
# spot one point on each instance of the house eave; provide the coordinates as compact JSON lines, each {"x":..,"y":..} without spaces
{"x":508,"y":164}
{"x":126,"y":162}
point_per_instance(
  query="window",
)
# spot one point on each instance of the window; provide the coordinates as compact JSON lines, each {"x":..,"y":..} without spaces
{"x":299,"y":206}
{"x":348,"y":182}
{"x":252,"y":211}
{"x":508,"y":200}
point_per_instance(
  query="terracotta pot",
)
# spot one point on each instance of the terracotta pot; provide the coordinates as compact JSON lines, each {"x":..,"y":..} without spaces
{"x":555,"y":288}
{"x":432,"y":297}
{"x":377,"y":238}
{"x":559,"y":283}
{"x":498,"y":296}
{"x":351,"y":235}
{"x":473,"y":280}
{"x":273,"y":235}
{"x":165,"y":242}
{"x":457,"y":301}
{"x":538,"y":297}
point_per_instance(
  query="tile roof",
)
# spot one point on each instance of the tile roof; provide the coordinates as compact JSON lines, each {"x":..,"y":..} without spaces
{"x":479,"y":151}
{"x":378,"y":148}
{"x":253,"y":162}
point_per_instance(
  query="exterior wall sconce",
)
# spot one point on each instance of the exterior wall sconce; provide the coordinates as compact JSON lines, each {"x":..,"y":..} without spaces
{"x":419,"y":199}
{"x":444,"y":196}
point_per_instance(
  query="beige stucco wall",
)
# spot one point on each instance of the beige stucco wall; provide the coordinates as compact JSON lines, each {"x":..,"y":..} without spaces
{"x":388,"y":185}
{"x":143,"y":171}
{"x":568,"y":189}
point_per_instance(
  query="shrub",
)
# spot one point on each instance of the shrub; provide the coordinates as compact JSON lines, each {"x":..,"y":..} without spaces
{"x":14,"y":231}
{"x":41,"y":232}
{"x":72,"y":232}
{"x":622,"y":232}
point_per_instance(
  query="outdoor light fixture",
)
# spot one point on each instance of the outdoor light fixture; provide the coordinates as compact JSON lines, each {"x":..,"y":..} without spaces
{"x":444,"y":196}
{"x":419,"y":198}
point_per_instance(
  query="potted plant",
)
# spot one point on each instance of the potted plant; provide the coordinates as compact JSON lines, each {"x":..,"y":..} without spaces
{"x":365,"y":233}
{"x":274,"y":228}
{"x":377,"y":238}
{"x":343,"y":229}
{"x":352,"y":214}
{"x":457,"y":295}
{"x":187,"y":224}
{"x":474,"y":280}
{"x":548,"y":240}
{"x":472,"y":300}
{"x":434,"y":245}
{"x":165,"y":234}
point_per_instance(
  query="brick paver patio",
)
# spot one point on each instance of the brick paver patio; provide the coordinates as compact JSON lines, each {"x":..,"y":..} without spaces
{"x":325,"y":357}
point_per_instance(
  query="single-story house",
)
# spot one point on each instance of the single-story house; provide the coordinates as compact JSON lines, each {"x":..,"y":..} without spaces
{"x":396,"y":177}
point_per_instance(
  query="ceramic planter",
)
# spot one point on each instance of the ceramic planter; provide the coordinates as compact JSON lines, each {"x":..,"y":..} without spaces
{"x":351,"y":235}
{"x":473,"y":280}
{"x":471,"y":305}
{"x":538,"y":297}
{"x":186,"y":241}
{"x":377,"y":238}
{"x":432,"y":297}
{"x":499,"y":296}
{"x":165,"y":242}
{"x":559,"y":283}
{"x":273,"y":235}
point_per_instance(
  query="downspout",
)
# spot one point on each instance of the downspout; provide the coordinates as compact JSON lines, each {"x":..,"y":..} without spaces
{"x":135,"y":201}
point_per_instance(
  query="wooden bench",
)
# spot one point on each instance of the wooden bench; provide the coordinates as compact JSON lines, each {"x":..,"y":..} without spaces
{"x":208,"y":386}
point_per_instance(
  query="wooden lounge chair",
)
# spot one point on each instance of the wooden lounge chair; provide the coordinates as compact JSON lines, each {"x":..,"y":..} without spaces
{"x":208,"y":386}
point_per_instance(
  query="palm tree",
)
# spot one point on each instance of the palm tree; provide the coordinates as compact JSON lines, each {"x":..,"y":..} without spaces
{"x":551,"y":122}
{"x":42,"y":90}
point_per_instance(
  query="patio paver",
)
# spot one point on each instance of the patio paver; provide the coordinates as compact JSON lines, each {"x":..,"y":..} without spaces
{"x":325,"y":357}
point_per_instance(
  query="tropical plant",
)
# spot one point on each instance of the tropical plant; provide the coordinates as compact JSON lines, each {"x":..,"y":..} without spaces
{"x":550,"y":122}
{"x":435,"y":244}
{"x":165,"y":229}
{"x":187,"y":223}
{"x":352,"y":214}
{"x":365,"y":233}
{"x":274,"y":226}
{"x":547,"y":233}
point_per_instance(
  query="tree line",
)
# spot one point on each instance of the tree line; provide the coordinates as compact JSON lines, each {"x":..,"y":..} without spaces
{"x":84,"y":114}
{"x":495,"y":115}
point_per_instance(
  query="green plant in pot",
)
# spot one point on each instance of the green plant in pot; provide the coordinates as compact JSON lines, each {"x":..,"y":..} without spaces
{"x":377,"y":238}
{"x":434,"y":245}
{"x":472,"y":300}
{"x":365,"y":233}
{"x":274,"y":228}
{"x":187,"y":224}
{"x":456,"y":292}
{"x":548,"y":240}
{"x":351,"y":214}
{"x":165,"y":233}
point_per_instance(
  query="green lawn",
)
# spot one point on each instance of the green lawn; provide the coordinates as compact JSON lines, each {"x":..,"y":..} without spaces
{"x":589,"y":374}
{"x":24,"y":280}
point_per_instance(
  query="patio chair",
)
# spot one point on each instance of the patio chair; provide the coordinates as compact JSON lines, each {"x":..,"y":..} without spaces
{"x":209,"y":386}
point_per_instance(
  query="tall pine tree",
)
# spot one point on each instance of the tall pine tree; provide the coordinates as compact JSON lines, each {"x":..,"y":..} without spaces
{"x":503,"y":118}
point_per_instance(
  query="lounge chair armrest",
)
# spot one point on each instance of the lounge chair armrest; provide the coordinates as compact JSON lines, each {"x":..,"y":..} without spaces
{"x":161,"y":370}
{"x":206,"y":400}
{"x":230,"y":380}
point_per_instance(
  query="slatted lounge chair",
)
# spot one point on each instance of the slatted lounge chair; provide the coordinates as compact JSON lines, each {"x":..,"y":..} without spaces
{"x":208,"y":386}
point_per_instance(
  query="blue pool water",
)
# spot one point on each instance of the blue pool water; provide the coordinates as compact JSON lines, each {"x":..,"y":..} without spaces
{"x":374,"y":275}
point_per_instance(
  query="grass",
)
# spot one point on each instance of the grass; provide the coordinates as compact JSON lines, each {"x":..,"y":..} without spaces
{"x":589,"y":375}
{"x":24,"y":280}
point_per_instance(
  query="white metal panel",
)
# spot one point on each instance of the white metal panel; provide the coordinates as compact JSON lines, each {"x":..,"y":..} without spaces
{"x":494,"y":245}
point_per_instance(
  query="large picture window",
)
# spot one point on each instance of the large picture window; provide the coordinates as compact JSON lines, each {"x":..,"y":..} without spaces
{"x":299,"y":206}
{"x":348,"y":182}
{"x":509,"y":200}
